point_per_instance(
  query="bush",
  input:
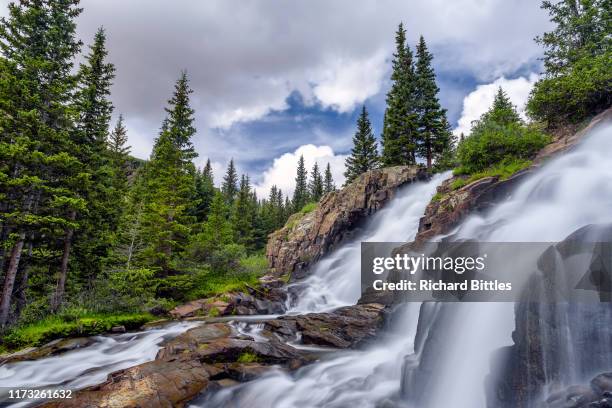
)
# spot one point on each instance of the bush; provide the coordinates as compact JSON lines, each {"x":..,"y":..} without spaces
{"x":582,"y":91}
{"x":491,"y":143}
{"x":308,"y":208}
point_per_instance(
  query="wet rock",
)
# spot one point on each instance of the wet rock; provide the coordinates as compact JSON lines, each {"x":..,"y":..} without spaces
{"x":54,"y":347}
{"x":118,"y":329}
{"x":307,"y":237}
{"x":243,"y":372}
{"x":347,"y":327}
{"x":155,"y":384}
{"x":189,"y":309}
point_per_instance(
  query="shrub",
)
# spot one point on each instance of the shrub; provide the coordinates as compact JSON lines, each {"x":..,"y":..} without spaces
{"x":503,"y":170}
{"x":492,"y":143}
{"x":582,"y":91}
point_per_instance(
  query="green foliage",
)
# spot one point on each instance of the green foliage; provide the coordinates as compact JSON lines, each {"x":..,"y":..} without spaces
{"x":69,"y":325}
{"x":498,"y":135}
{"x":229,"y":188}
{"x":247,"y":357}
{"x":434,"y":139}
{"x":401,"y":118}
{"x":300,"y":194}
{"x":328,"y":182}
{"x":505,"y":169}
{"x":310,"y":207}
{"x":364,"y":154}
{"x":315,"y":187}
{"x":578,"y":55}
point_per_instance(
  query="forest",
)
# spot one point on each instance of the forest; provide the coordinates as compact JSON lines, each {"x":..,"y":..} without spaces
{"x":92,"y":237}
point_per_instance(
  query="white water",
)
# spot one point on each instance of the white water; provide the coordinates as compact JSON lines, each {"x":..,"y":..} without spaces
{"x":335,"y":281}
{"x":90,"y":365}
{"x":570,"y":192}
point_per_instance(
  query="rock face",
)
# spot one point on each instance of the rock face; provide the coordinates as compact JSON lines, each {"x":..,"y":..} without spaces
{"x":307,"y":237}
{"x":347,"y":327}
{"x":443,"y":214}
{"x":598,"y":394}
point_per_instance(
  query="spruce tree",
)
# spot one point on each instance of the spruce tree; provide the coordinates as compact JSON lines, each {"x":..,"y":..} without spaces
{"x":300,"y":194}
{"x":170,"y":177}
{"x":364,"y":154}
{"x":106,"y":190}
{"x":117,"y":141}
{"x":400,"y":125}
{"x":229,"y":188}
{"x":315,"y":186}
{"x":328,"y":182}
{"x":243,"y":214}
{"x":216,"y":231}
{"x":37,"y":41}
{"x":205,"y":191}
{"x":433,"y":136}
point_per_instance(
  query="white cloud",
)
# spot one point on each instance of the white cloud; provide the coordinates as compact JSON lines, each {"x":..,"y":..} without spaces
{"x":283,"y":169}
{"x":480,"y":100}
{"x":350,"y":82}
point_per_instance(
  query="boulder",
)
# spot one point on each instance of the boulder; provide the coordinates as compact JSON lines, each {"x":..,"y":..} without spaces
{"x":307,"y":237}
{"x":52,"y":348}
{"x":347,"y":327}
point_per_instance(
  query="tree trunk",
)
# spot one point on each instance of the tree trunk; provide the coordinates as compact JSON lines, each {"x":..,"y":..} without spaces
{"x":20,"y":295}
{"x":58,"y":297}
{"x":9,"y":280}
{"x":429,"y":156}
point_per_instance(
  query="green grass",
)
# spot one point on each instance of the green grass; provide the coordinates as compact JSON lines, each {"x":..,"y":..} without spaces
{"x":308,"y":208}
{"x":503,"y":170}
{"x":55,"y":327}
{"x":437,"y":197}
{"x":247,"y":357}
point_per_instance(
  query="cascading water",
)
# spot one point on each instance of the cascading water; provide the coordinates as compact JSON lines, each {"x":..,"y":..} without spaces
{"x":90,"y":365}
{"x":569,"y":192}
{"x":335,"y":280}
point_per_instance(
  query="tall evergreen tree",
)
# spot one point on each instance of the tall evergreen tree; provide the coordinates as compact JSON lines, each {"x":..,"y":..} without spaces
{"x":364,"y":154}
{"x":315,"y":186}
{"x":401,"y":119}
{"x":38,"y":157}
{"x":117,"y":141}
{"x":229,"y":188}
{"x":243,"y":214}
{"x":434,"y":137}
{"x":328,"y":182}
{"x":171,"y":181}
{"x":300,"y":194}
{"x":205,"y":191}
{"x":105,"y":192}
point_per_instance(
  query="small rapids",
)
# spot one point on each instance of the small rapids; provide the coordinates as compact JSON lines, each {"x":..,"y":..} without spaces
{"x":89,"y":365}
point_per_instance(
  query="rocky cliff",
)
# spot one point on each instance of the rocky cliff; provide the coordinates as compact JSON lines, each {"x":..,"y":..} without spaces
{"x":307,"y":237}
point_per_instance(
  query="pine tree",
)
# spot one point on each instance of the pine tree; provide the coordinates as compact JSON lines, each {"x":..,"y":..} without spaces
{"x":171,"y":182}
{"x":243,"y":214}
{"x":401,"y":119}
{"x":117,"y":141}
{"x":216,"y":231}
{"x":38,"y":157}
{"x":328,"y":183}
{"x":364,"y":154}
{"x":315,"y":186}
{"x":229,"y":188}
{"x":205,"y":191}
{"x":434,"y":136}
{"x":108,"y":178}
{"x":502,"y":112}
{"x":300,"y":194}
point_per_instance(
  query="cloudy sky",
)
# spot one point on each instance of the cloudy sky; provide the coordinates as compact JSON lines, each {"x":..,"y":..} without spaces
{"x":274,"y":79}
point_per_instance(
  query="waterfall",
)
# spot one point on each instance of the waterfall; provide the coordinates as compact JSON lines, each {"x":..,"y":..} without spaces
{"x":571,"y":191}
{"x":567,"y":193}
{"x":335,"y":280}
